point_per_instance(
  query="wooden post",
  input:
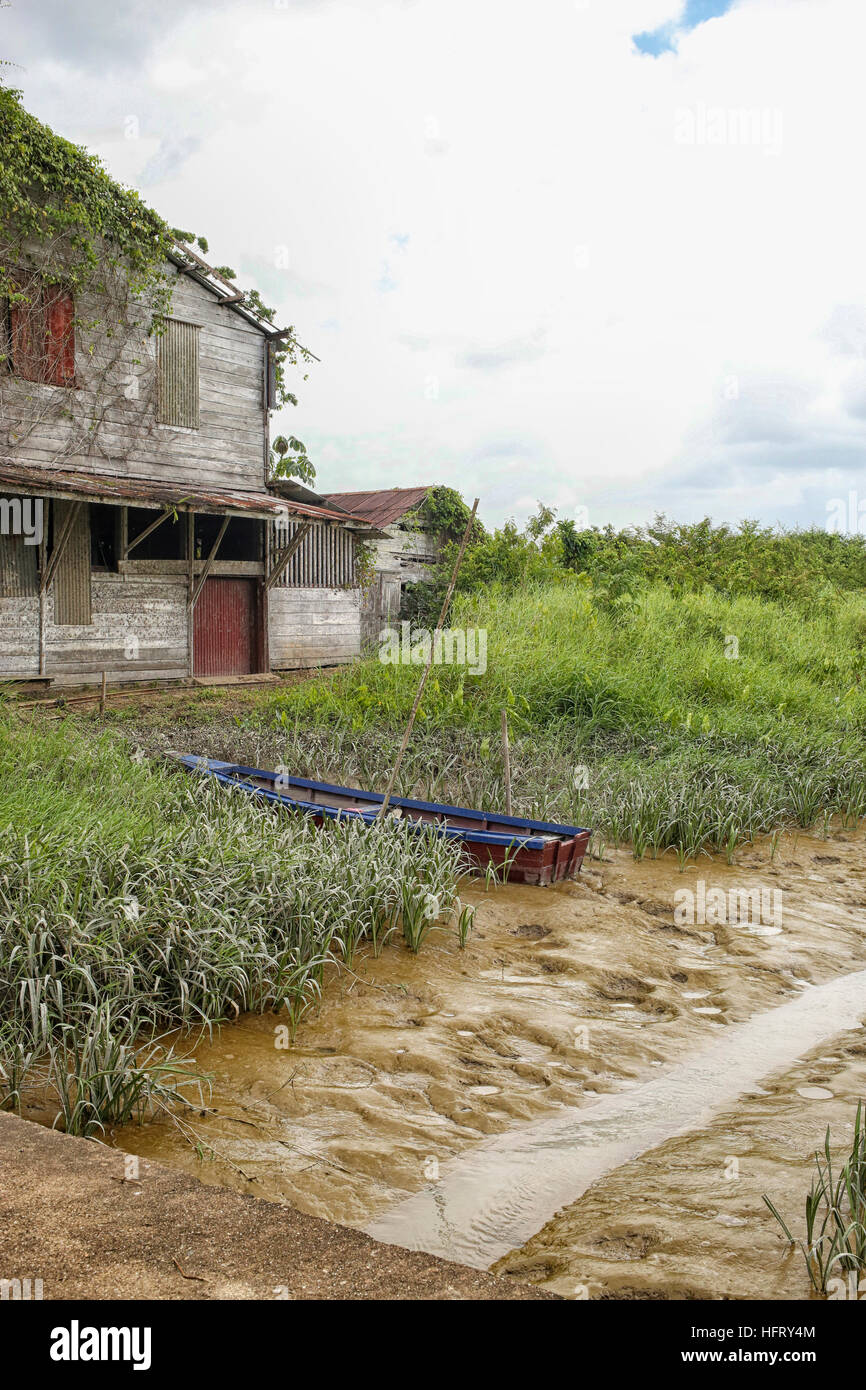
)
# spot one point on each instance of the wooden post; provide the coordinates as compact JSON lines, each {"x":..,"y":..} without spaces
{"x":190,"y":623}
{"x":441,"y":623}
{"x":506,"y":758}
{"x":102,"y":694}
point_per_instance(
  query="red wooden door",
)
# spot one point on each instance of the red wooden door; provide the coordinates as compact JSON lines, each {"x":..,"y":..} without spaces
{"x":225,"y":636}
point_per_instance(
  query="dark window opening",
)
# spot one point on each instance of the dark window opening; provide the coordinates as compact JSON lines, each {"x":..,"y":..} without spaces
{"x":167,"y":542}
{"x":104,"y":524}
{"x":242,"y":540}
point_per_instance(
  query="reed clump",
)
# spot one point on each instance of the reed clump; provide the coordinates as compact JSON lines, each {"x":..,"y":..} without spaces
{"x":834,"y":1247}
{"x":137,"y":903}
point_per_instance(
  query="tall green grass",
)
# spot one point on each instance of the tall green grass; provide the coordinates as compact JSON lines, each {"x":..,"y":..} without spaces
{"x":681,"y":744}
{"x":136,"y":901}
{"x":637,"y":664}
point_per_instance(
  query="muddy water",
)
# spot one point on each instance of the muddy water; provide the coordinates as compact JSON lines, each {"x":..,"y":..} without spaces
{"x":687,"y":1220}
{"x":500,"y":1194}
{"x":564,"y":995}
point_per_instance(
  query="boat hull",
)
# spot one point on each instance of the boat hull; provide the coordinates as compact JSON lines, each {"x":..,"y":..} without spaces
{"x":522,"y":851}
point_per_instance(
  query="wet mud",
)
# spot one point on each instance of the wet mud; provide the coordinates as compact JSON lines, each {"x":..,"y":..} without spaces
{"x":687,"y":1220}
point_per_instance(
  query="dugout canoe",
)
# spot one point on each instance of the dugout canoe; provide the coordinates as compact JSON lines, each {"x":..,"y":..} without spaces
{"x":539,"y":852}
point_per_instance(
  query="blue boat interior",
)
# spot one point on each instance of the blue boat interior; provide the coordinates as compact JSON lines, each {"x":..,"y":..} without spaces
{"x":324,"y":798}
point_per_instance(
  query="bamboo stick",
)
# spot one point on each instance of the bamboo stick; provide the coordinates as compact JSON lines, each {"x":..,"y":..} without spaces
{"x":506,"y":758}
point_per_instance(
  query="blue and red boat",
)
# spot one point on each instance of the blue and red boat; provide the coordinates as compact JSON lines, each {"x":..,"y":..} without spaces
{"x":530,"y":851}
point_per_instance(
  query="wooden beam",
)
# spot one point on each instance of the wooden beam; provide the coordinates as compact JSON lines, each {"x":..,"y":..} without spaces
{"x":190,"y":616}
{"x":286,"y":554}
{"x":202,"y":579}
{"x":60,"y":545}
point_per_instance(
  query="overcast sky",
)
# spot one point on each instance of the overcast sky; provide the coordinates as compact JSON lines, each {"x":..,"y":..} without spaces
{"x":607,"y":253}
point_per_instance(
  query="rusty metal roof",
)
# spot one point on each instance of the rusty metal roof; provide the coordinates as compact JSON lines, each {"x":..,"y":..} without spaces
{"x":326,"y":513}
{"x":305,"y":502}
{"x":141,"y":492}
{"x":382,"y":506}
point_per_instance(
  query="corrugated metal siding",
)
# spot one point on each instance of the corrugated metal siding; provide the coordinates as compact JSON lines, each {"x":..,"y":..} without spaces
{"x":18,"y":568}
{"x":225,"y":634}
{"x":325,"y":559}
{"x":72,"y":580}
{"x":179,"y":375}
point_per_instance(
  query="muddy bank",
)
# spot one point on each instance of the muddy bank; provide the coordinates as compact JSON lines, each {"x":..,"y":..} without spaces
{"x":687,"y":1219}
{"x":503,"y":1191}
{"x":563,"y":995}
{"x":72,"y":1217}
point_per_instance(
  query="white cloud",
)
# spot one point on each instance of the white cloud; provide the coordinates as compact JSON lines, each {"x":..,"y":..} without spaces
{"x":532,"y":260}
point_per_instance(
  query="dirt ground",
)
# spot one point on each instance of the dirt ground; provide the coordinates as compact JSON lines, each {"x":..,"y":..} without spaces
{"x":70,"y":1217}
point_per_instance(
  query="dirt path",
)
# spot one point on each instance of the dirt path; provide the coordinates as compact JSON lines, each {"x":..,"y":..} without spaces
{"x":70,"y":1218}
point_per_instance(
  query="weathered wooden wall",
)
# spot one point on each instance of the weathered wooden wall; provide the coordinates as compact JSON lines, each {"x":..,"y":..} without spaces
{"x":406,"y":553}
{"x":405,"y":557}
{"x":138,"y":631}
{"x":19,"y":638}
{"x":380,"y":607}
{"x":313,"y":627}
{"x":228,"y":450}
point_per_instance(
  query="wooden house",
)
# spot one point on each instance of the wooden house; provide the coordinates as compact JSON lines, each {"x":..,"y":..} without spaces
{"x":157,"y":550}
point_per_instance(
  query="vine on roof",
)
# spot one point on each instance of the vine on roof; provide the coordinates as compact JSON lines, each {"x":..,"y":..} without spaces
{"x":62,"y":210}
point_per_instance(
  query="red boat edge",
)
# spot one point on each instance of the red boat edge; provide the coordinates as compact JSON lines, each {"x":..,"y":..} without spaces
{"x":560,"y":859}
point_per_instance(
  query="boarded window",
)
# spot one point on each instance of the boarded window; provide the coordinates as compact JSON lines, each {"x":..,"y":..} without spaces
{"x":72,"y":577}
{"x":178,"y":395}
{"x":18,"y":568}
{"x":40,"y":334}
{"x":325,"y":559}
